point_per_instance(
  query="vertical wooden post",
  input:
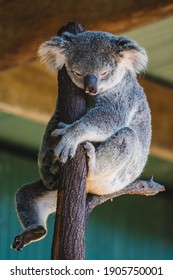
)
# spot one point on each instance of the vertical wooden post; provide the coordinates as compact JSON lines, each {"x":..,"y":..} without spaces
{"x":69,"y":231}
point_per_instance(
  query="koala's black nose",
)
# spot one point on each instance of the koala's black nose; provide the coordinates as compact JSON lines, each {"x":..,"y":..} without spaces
{"x":90,"y":84}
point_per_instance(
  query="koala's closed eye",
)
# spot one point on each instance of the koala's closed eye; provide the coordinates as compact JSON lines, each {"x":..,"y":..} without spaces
{"x":77,"y":73}
{"x":105,"y":74}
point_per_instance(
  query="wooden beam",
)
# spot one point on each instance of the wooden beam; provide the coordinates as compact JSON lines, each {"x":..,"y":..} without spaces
{"x":160,"y":99}
{"x":37,"y":101}
{"x":25,"y":25}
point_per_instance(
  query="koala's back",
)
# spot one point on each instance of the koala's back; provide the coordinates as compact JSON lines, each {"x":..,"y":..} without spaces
{"x":139,"y":116}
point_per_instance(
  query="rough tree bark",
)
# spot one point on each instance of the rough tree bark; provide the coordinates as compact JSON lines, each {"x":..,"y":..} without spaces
{"x":69,"y":234}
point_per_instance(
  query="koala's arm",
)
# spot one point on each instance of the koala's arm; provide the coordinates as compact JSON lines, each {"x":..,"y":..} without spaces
{"x":97,"y":125}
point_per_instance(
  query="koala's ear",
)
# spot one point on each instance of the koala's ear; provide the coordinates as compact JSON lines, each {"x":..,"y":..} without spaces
{"x":132,"y":56}
{"x":52,"y":53}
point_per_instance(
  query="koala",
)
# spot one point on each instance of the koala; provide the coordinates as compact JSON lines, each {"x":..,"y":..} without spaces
{"x":116,"y":129}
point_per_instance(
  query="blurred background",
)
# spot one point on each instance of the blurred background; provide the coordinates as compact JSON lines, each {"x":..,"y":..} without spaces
{"x":130,"y":227}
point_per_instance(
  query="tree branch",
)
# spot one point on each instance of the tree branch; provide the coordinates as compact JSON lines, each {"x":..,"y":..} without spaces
{"x":139,"y":187}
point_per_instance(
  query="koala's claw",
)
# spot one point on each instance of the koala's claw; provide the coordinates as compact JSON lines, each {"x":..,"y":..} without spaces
{"x":65,"y":154}
{"x":63,"y":151}
{"x":90,"y":149}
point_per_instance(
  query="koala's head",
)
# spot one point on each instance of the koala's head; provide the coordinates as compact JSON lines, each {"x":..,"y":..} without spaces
{"x":95,"y":61}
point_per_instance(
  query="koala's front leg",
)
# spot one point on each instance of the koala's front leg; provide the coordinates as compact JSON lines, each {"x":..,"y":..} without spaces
{"x":89,"y":148}
{"x":96,"y":126}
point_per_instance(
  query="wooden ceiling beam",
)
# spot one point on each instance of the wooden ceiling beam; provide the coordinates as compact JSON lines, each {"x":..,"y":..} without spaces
{"x":160,"y":98}
{"x":24,"y":25}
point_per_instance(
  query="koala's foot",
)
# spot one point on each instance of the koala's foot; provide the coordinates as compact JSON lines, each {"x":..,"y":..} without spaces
{"x":51,"y":183}
{"x":31,"y":234}
{"x":90,"y":149}
{"x":49,"y":176}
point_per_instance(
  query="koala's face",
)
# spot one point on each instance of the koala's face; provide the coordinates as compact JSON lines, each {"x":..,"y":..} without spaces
{"x":90,"y":63}
{"x":95,"y":61}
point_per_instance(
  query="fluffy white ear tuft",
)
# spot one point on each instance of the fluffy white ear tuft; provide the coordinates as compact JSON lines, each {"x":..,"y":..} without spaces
{"x":51,"y":54}
{"x":134,"y":59}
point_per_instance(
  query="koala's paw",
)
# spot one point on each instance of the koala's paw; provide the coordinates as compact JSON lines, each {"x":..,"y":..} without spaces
{"x":61,"y":130}
{"x":66,"y":148}
{"x":33,"y":233}
{"x":90,"y":149}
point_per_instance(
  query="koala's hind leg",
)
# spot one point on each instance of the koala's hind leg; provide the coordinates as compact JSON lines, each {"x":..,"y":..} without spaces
{"x":115,"y":163}
{"x":34,"y":203}
{"x":116,"y":150}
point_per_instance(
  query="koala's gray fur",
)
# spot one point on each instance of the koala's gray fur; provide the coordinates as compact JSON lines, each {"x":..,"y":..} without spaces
{"x":105,"y":66}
